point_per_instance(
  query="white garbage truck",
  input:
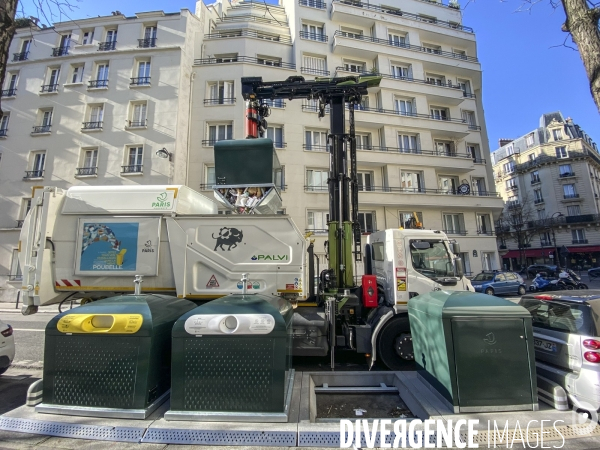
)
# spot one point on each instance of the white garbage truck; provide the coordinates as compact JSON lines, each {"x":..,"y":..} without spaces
{"x":89,"y":243}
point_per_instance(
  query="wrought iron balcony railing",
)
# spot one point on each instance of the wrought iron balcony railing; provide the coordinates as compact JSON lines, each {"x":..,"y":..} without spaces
{"x":20,"y":56}
{"x":211,"y":142}
{"x":220,"y":101}
{"x":315,"y":148}
{"x":60,"y":51}
{"x":83,"y":171}
{"x":9,"y":92}
{"x":140,"y":81}
{"x":136,"y":123}
{"x":314,"y":36}
{"x":246,"y":59}
{"x":98,"y":83}
{"x":567,"y":174}
{"x":91,"y":125}
{"x":580,"y":241}
{"x":49,"y":88}
{"x":416,"y":190}
{"x":536,"y":180}
{"x":228,"y":34}
{"x":33,"y":174}
{"x":456,"y":231}
{"x":537,"y":201}
{"x":568,"y":196}
{"x":312,"y":71}
{"x":147,"y":43}
{"x":106,"y":46}
{"x":318,"y":4}
{"x":135,"y":168}
{"x":41,"y":129}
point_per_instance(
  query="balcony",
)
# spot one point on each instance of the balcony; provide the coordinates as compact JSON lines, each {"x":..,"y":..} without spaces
{"x":512,"y":187}
{"x":20,"y":56}
{"x":31,"y":174}
{"x":8,"y":92}
{"x":246,"y":59}
{"x":536,"y":180}
{"x":231,"y":34}
{"x":88,"y":126}
{"x":60,"y":51}
{"x":319,"y":37}
{"x":456,"y":232}
{"x":97,"y":84}
{"x":220,"y":101}
{"x":570,"y":196}
{"x":49,"y":88}
{"x":580,"y":241}
{"x":313,"y":4}
{"x":545,"y":243}
{"x":107,"y":46}
{"x":486,"y":231}
{"x":86,"y":171}
{"x":136,"y":123}
{"x":361,"y":46}
{"x":566,"y":175}
{"x":339,"y":9}
{"x":311,"y":71}
{"x":538,"y":201}
{"x":140,"y":81}
{"x":315,"y":148}
{"x":40,"y":129}
{"x":147,"y":43}
{"x":135,"y":168}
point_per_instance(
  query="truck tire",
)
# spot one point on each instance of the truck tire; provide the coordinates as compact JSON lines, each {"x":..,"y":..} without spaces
{"x":396,"y":332}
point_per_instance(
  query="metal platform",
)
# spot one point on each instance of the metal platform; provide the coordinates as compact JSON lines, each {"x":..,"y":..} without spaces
{"x":303,"y":427}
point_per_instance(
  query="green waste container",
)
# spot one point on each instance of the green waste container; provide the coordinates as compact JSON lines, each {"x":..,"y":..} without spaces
{"x":231,"y":361}
{"x":111,"y":358}
{"x":475,"y":350}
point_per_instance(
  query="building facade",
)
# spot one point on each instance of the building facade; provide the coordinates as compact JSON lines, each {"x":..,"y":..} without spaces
{"x":550,"y":181}
{"x":98,"y":112}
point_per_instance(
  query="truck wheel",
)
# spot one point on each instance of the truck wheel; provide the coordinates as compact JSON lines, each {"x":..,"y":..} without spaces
{"x":394,"y":344}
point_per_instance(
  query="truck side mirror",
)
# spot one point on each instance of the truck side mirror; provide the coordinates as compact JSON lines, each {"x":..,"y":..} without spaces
{"x":455,"y":246}
{"x":459,"y":268}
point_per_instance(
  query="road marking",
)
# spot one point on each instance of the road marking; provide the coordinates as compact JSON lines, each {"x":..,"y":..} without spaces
{"x":27,"y":329}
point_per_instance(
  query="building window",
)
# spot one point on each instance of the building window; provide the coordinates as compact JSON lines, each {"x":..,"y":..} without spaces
{"x":439,"y":113}
{"x":137,"y":115}
{"x":509,"y":167}
{"x":430,"y":48}
{"x":366,"y":221}
{"x":537,"y":196}
{"x":412,"y":181}
{"x":363,"y":141}
{"x":475,"y":152}
{"x":565,"y":170}
{"x":142,"y":76}
{"x":149,"y":39}
{"x":570,"y":191}
{"x":454,"y":223}
{"x":355,"y":66}
{"x":51,"y":80}
{"x":94,"y":117}
{"x":578,"y":236}
{"x":529,"y":140}
{"x":479,"y":186}
{"x":110,"y":41}
{"x":226,"y":58}
{"x":15,"y":267}
{"x":316,"y":180}
{"x":44,"y":121}
{"x":561,"y":152}
{"x":469,"y":118}
{"x":11,"y":85}
{"x":409,"y":219}
{"x":510,"y":150}
{"x":315,"y":140}
{"x":447,"y":184}
{"x":210,"y":177}
{"x":535,"y":177}
{"x":4,"y":125}
{"x":275,"y":133}
{"x":557,"y":134}
{"x":87,"y":37}
{"x":89,"y":162}
{"x":404,"y":107}
{"x":313,"y":32}
{"x":280,"y":178}
{"x":573,"y":210}
{"x":63,"y":45}
{"x":221,"y":93}
{"x":484,"y":224}
{"x":397,"y":39}
{"x":465,"y":86}
{"x":76,"y":73}
{"x":219,"y":132}
{"x":314,"y":65}
{"x":316,"y":221}
{"x":135,"y":160}
{"x":545,"y":239}
{"x":275,"y":103}
{"x":511,"y":184}
{"x":438,"y":80}
{"x":25,"y":46}
{"x":408,"y":143}
{"x":445,"y":148}
{"x":365,"y":181}
{"x":37,"y":163}
{"x":101,"y":80}
{"x":401,"y":72}
{"x":268,"y":60}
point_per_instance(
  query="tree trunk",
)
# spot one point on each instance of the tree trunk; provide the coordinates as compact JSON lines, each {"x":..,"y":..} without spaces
{"x":582,"y":24}
{"x":8,"y":10}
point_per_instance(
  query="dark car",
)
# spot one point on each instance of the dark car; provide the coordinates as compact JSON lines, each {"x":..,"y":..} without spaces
{"x":594,"y":272}
{"x":496,"y":283}
{"x":550,"y":270}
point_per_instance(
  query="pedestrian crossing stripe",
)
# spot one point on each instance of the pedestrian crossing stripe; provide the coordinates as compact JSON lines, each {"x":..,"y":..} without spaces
{"x":212,"y":283}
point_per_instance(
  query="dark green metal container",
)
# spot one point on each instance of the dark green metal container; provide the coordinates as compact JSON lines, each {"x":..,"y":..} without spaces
{"x":112,"y":357}
{"x":231,"y":360}
{"x":476,"y":350}
{"x":246,"y":162}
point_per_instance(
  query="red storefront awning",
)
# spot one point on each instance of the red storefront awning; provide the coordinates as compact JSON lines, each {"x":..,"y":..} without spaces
{"x":586,"y":249}
{"x":530,"y":253}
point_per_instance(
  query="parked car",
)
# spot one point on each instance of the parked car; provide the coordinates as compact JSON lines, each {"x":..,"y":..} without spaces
{"x":594,"y":272}
{"x":495,"y":283}
{"x":7,"y":347}
{"x":566,"y":338}
{"x":550,"y":270}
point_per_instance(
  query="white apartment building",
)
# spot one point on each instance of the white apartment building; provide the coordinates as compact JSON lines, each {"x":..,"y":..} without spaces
{"x":421,"y":134}
{"x":93,"y":103}
{"x":550,"y":180}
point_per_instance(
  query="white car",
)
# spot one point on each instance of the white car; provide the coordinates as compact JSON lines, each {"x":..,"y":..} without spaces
{"x":7,"y":346}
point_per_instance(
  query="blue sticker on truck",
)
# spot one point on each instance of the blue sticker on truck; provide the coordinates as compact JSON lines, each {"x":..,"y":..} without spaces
{"x":109,"y":246}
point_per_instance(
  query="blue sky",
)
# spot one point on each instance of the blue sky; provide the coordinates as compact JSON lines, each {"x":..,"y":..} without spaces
{"x":526,"y":69}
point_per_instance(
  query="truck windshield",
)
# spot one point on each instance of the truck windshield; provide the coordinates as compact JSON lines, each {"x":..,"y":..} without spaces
{"x":434,"y":261}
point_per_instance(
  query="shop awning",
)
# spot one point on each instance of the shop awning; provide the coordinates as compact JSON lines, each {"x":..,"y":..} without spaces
{"x":530,"y":253}
{"x":586,"y":249}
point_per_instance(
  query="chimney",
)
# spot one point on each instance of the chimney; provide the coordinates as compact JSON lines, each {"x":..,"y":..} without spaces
{"x":503,"y":142}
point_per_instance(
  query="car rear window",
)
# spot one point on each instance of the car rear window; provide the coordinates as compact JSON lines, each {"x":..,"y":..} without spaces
{"x":561,"y":316}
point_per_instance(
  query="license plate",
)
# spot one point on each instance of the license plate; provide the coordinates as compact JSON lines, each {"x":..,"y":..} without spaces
{"x":545,"y":345}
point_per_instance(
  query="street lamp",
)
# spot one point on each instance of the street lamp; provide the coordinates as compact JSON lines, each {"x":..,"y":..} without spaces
{"x":557,"y":214}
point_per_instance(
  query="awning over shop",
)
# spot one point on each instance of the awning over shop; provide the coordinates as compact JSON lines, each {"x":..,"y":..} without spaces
{"x":586,"y":249}
{"x":530,"y":253}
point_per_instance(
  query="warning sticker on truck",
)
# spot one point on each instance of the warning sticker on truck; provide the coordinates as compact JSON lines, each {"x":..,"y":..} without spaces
{"x":401,"y":283}
{"x":212,"y":283}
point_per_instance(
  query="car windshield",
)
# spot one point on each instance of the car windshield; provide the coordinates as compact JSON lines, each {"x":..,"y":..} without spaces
{"x":433,"y":262}
{"x":484,"y":277}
